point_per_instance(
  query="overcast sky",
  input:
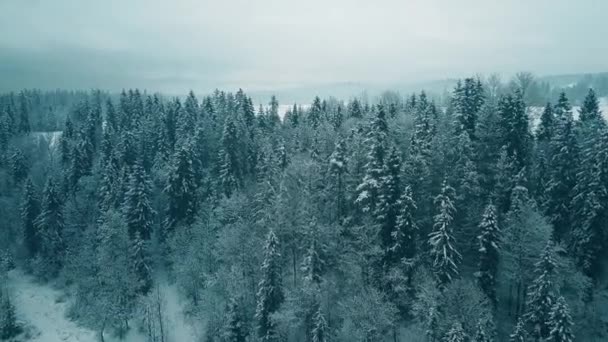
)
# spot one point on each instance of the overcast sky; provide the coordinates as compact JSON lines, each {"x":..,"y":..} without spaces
{"x":264,"y":44}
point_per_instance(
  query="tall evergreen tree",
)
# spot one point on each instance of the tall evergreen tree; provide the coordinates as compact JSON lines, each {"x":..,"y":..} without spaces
{"x":489,"y":242}
{"x":387,"y":209}
{"x":443,"y":252}
{"x":181,"y":189}
{"x":405,"y":233}
{"x":562,"y":169}
{"x":50,"y":225}
{"x":230,"y":171}
{"x":456,"y":334}
{"x":468,"y":98}
{"x":368,"y":189}
{"x":270,"y":289}
{"x":560,"y":322}
{"x":24,"y":115}
{"x":30,"y":209}
{"x":541,"y":297}
{"x":320,"y":330}
{"x":137,"y":208}
{"x":234,"y":329}
{"x":519,"y":334}
{"x":514,"y":124}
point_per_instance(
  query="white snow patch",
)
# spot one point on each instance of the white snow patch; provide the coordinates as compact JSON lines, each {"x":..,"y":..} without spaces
{"x":42,"y":309}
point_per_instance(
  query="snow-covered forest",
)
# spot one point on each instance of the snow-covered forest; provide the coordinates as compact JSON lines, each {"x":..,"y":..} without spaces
{"x":469,"y":215}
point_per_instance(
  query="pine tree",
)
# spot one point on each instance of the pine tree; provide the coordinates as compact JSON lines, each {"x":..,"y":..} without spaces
{"x":30,"y":209}
{"x":354,"y":109}
{"x":590,"y":110}
{"x":562,"y":169}
{"x":368,"y":190}
{"x":514,"y":127}
{"x":589,"y":204}
{"x":388,"y":208}
{"x":468,"y":98}
{"x":489,"y":242}
{"x":456,"y":334}
{"x":481,"y":335}
{"x":24,"y":115}
{"x":181,"y":189}
{"x":443,"y":252}
{"x":541,"y":294}
{"x":140,"y":262}
{"x":560,"y":322}
{"x":405,"y":234}
{"x":230,"y":171}
{"x":234,"y":329}
{"x":270,"y":289}
{"x":314,"y":114}
{"x":338,"y":162}
{"x":111,"y":118}
{"x":320,"y":329}
{"x":137,"y":208}
{"x":8,"y":321}
{"x":49,"y":225}
{"x":312,"y":267}
{"x":19,"y":166}
{"x":546,"y":127}
{"x":519,"y":334}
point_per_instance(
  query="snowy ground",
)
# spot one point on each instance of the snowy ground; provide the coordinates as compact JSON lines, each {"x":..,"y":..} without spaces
{"x":41,"y":308}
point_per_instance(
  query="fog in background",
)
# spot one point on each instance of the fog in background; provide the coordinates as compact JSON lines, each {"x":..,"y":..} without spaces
{"x":173,"y":46}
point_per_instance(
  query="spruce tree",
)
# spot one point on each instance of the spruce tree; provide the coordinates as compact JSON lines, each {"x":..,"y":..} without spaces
{"x":181,"y":189}
{"x":270,"y":289}
{"x":8,"y":320}
{"x":541,"y":294}
{"x":546,"y":126}
{"x":405,"y":233}
{"x":489,"y":245}
{"x":230,"y":171}
{"x":338,"y":163}
{"x":24,"y":115}
{"x":456,"y":334}
{"x":590,"y":110}
{"x":589,"y":205}
{"x":519,"y":334}
{"x":19,"y":166}
{"x":368,"y":189}
{"x":481,"y":335}
{"x":30,"y":209}
{"x":514,"y":126}
{"x":234,"y":329}
{"x":320,"y":330}
{"x":560,"y":322}
{"x":387,"y":209}
{"x":49,"y":225}
{"x":562,"y":171}
{"x":137,"y":208}
{"x":468,"y":98}
{"x":443,"y":252}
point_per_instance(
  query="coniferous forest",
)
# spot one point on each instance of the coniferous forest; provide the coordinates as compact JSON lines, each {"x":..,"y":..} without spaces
{"x":477,"y":215}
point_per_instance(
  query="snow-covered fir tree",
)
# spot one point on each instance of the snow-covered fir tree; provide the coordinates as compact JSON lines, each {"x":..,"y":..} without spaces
{"x":489,"y":251}
{"x":234,"y":328}
{"x":456,"y":334}
{"x":560,"y":322}
{"x":542,"y":293}
{"x":562,"y":171}
{"x":320,"y":329}
{"x":49,"y":226}
{"x":270,"y":289}
{"x":519,"y":333}
{"x":30,"y":209}
{"x":443,"y":251}
{"x":181,"y":189}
